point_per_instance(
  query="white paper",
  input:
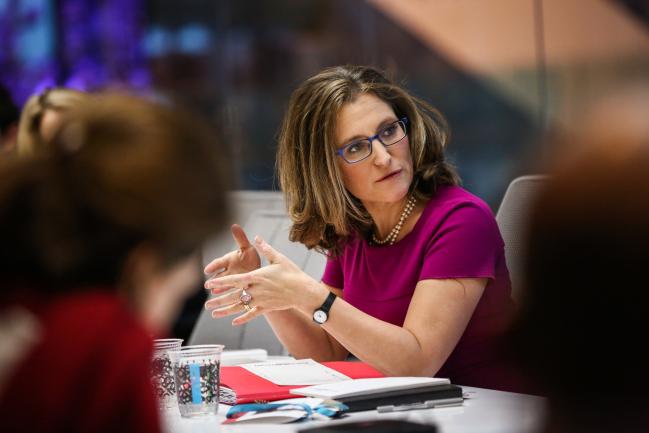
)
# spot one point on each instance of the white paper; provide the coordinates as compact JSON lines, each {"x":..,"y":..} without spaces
{"x":295,"y":372}
{"x":237,"y":357}
{"x":367,"y":386}
{"x":312,"y":402}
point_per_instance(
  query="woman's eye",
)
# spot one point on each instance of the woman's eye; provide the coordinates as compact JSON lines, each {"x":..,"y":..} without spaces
{"x":389,"y":131}
{"x":354,"y":148}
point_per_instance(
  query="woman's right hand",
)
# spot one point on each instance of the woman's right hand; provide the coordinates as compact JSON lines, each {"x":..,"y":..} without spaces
{"x":240,"y":261}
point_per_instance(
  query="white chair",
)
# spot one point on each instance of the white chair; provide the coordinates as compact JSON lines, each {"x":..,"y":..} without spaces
{"x":273,"y":226}
{"x":243,"y":204}
{"x":512,"y":219}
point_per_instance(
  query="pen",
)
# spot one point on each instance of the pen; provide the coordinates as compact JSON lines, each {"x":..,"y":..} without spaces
{"x":428,"y":404}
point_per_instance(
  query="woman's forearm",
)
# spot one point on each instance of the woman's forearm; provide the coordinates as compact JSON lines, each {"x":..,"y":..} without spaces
{"x":391,"y":349}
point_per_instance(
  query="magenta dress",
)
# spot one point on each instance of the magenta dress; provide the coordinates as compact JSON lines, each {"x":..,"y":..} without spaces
{"x":455,"y":237}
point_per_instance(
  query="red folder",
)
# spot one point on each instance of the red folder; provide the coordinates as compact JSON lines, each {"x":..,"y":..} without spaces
{"x":239,"y":385}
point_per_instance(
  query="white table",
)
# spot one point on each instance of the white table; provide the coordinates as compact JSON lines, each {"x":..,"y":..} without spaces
{"x":485,"y":411}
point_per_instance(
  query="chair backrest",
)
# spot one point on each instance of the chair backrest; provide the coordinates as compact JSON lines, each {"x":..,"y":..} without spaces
{"x":243,"y":204}
{"x":512,"y":218}
{"x":273,"y":226}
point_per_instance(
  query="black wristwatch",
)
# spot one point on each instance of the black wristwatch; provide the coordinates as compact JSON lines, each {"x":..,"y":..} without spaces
{"x":321,"y":314}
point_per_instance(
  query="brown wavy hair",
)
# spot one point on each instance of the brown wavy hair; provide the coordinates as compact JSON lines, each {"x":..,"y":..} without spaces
{"x":323,"y":211}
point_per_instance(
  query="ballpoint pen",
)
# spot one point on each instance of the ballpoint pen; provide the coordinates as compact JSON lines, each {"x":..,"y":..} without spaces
{"x":428,"y":404}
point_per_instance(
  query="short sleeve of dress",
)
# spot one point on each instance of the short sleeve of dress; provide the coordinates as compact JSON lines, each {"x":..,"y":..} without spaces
{"x":466,"y":244}
{"x":333,"y":273}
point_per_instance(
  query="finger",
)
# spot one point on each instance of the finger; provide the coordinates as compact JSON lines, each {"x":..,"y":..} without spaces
{"x":221,"y":284}
{"x":228,"y":298}
{"x":246,"y":317}
{"x":240,"y":236}
{"x":272,"y":255}
{"x":227,"y":311}
{"x":219,"y":264}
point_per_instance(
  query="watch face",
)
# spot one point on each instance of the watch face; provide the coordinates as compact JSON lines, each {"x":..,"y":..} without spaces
{"x":319,"y":316}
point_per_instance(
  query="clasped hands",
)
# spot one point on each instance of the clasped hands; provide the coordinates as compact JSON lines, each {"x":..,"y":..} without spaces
{"x":279,"y":286}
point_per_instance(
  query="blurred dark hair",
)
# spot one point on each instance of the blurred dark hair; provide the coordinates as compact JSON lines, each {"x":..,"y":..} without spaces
{"x":9,"y":113}
{"x":582,"y":326}
{"x":121,"y":172}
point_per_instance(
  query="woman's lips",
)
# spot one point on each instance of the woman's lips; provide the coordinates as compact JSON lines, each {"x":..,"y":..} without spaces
{"x":389,"y":176}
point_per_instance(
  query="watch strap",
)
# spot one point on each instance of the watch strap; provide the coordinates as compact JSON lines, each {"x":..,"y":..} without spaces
{"x":326,"y":305}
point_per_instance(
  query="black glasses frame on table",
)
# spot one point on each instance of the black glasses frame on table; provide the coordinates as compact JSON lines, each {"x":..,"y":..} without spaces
{"x":359,"y":150}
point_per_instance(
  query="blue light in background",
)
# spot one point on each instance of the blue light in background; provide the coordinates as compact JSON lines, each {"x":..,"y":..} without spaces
{"x":193,"y":39}
{"x":34,"y":44}
{"x":157,"y":42}
{"x":81,"y":44}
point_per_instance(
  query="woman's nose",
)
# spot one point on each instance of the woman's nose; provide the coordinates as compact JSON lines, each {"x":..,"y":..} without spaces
{"x":382,"y":156}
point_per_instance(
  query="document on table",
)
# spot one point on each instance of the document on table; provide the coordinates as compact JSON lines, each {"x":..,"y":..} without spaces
{"x":295,"y":372}
{"x":369,"y":386}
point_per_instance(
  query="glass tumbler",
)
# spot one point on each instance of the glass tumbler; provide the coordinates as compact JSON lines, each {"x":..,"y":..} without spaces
{"x":196,"y":372}
{"x":162,"y":371}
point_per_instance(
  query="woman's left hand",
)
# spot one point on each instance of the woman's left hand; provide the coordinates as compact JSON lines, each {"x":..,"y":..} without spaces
{"x":279,"y":286}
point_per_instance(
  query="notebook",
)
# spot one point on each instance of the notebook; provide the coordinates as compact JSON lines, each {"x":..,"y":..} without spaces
{"x":238,"y":385}
{"x":368,"y":394}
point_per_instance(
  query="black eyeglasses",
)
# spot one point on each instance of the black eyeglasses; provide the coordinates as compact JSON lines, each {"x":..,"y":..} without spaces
{"x":358,"y":150}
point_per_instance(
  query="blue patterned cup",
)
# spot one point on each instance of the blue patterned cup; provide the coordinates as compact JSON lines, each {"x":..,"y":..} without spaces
{"x":196,"y":373}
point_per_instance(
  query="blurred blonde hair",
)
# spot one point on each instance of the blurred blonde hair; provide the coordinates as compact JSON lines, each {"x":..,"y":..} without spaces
{"x":120,"y":172}
{"x":323,"y":212}
{"x":30,"y":139}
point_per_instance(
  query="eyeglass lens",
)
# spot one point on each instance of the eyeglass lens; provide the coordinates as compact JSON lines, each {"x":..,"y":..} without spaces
{"x":388,"y":136}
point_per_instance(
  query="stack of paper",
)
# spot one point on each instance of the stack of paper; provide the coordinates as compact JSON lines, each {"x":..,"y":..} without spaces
{"x":240,"y":385}
{"x":369,"y":394}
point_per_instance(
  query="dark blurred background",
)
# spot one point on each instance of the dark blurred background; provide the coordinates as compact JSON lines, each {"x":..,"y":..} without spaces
{"x":504,"y":72}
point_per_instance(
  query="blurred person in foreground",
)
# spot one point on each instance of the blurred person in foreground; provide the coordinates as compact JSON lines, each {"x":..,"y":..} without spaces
{"x":582,"y":326}
{"x":99,"y":239}
{"x":41,"y":117}
{"x":9,"y":116}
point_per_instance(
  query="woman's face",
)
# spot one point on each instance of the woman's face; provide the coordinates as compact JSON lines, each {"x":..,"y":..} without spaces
{"x":385,"y":176}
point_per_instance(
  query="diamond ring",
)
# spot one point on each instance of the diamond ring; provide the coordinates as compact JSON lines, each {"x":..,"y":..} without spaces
{"x":245,"y":297}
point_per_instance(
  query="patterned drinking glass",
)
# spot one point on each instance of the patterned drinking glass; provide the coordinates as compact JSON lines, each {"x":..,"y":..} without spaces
{"x":162,"y":371}
{"x":196,"y":371}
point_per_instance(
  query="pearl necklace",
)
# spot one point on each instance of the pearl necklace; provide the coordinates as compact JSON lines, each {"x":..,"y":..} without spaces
{"x":394,"y":233}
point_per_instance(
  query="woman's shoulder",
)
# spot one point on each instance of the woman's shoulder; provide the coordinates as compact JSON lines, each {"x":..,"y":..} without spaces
{"x":450,"y":199}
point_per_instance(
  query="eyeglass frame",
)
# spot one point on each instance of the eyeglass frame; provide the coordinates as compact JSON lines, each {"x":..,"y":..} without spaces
{"x":371,"y":139}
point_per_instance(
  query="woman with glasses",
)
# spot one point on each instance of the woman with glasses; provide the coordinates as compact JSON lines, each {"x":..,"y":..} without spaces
{"x":416,"y":282}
